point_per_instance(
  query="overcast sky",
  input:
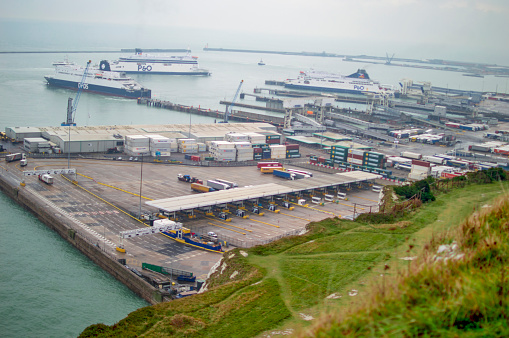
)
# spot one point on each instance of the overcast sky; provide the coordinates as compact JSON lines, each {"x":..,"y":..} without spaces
{"x":469,"y":26}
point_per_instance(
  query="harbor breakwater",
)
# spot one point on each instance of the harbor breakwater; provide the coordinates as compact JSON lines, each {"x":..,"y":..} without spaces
{"x":71,"y":234}
{"x":236,"y":115}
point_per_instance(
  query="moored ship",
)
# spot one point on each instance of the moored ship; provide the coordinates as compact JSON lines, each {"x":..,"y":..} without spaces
{"x":356,"y":83}
{"x":100,"y":80}
{"x":158,"y":64}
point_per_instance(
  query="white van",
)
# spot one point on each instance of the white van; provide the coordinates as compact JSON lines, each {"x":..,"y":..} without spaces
{"x":377,"y":188}
{"x":23,"y":163}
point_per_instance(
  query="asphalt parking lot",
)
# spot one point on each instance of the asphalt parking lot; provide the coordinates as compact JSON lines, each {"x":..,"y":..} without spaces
{"x":108,"y":188}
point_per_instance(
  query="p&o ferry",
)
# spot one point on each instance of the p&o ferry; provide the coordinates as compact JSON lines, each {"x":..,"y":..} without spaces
{"x":158,"y":64}
{"x":356,"y":83}
{"x":99,"y":80}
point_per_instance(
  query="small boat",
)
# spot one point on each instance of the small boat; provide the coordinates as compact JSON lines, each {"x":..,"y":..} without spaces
{"x":261,"y":63}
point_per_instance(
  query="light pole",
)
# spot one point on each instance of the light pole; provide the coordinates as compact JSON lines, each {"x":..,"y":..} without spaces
{"x":69,"y":149}
{"x":141,"y":182}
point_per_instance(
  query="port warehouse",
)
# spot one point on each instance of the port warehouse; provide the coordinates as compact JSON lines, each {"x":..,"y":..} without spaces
{"x":253,"y":193}
{"x":101,"y":138}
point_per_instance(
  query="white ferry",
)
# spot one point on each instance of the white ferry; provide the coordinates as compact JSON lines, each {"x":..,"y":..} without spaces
{"x":158,"y":64}
{"x":99,"y":80}
{"x":356,"y":83}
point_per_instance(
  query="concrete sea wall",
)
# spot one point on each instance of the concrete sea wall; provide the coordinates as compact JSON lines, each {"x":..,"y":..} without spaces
{"x":61,"y":225}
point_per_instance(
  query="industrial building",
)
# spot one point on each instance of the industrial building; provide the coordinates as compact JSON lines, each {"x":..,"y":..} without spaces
{"x":95,"y":139}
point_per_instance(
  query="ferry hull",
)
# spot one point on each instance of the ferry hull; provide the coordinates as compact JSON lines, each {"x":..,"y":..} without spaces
{"x":327,"y":89}
{"x":169,"y":67}
{"x":204,"y":73}
{"x":93,"y":88}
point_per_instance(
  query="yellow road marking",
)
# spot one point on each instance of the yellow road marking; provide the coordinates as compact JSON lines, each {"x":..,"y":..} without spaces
{"x":230,"y":225}
{"x":296,"y":217}
{"x":365,"y":198}
{"x":272,"y":225}
{"x":243,"y":233}
{"x":119,"y":189}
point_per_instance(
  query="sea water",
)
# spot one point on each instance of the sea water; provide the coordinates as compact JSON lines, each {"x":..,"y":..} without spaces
{"x":47,"y":288}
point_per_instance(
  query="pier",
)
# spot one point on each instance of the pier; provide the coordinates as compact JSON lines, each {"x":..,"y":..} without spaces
{"x":236,"y":115}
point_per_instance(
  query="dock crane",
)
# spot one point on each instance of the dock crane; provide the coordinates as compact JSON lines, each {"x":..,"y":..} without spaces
{"x":71,"y":107}
{"x":229,"y":108}
{"x":389,"y":59}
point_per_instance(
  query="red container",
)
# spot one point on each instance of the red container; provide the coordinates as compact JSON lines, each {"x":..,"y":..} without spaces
{"x":421,"y":163}
{"x":195,"y":158}
{"x":292,"y":147}
{"x":312,"y":161}
{"x":357,"y":157}
{"x":321,"y":159}
{"x":257,"y":150}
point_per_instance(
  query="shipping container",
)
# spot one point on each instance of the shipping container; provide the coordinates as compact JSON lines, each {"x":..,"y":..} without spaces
{"x":268,"y":164}
{"x":13,"y":157}
{"x":303,"y":172}
{"x":228,"y":183}
{"x":217,"y":185}
{"x":200,"y":187}
{"x":411,"y":155}
{"x":269,"y":170}
{"x":284,"y":174}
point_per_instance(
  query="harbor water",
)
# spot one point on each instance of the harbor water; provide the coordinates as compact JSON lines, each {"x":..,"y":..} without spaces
{"x":47,"y":287}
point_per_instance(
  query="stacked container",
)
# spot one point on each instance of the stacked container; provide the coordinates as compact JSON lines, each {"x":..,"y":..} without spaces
{"x":372,"y":159}
{"x":278,"y":151}
{"x":256,"y":138}
{"x":187,"y":146}
{"x":292,"y":151}
{"x":137,"y":145}
{"x":222,"y":151}
{"x":159,"y":145}
{"x":272,"y":138}
{"x":201,"y":147}
{"x":236,"y":137}
{"x":261,"y":151}
{"x":339,"y":154}
{"x":244,"y":151}
{"x":355,"y":156}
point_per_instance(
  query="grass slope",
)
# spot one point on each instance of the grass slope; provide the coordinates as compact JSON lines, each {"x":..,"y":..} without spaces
{"x":458,"y":287}
{"x":277,"y":284}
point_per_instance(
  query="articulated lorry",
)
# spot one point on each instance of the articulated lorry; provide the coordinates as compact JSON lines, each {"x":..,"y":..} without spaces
{"x":284,"y":174}
{"x":48,"y":179}
{"x":230,"y":184}
{"x":201,"y":188}
{"x":217,"y":185}
{"x":14,"y":157}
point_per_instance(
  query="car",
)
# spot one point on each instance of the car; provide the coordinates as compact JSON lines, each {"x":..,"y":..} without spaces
{"x":120,"y":158}
{"x":130,"y":158}
{"x":136,"y":159}
{"x":212,"y":234}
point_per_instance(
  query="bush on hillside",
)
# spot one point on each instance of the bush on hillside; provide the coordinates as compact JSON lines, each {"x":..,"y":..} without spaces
{"x":420,"y":188}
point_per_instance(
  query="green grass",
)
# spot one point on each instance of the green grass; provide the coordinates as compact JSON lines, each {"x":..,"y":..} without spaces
{"x":310,"y":280}
{"x":464,"y":297}
{"x":278,"y":282}
{"x":348,"y":242}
